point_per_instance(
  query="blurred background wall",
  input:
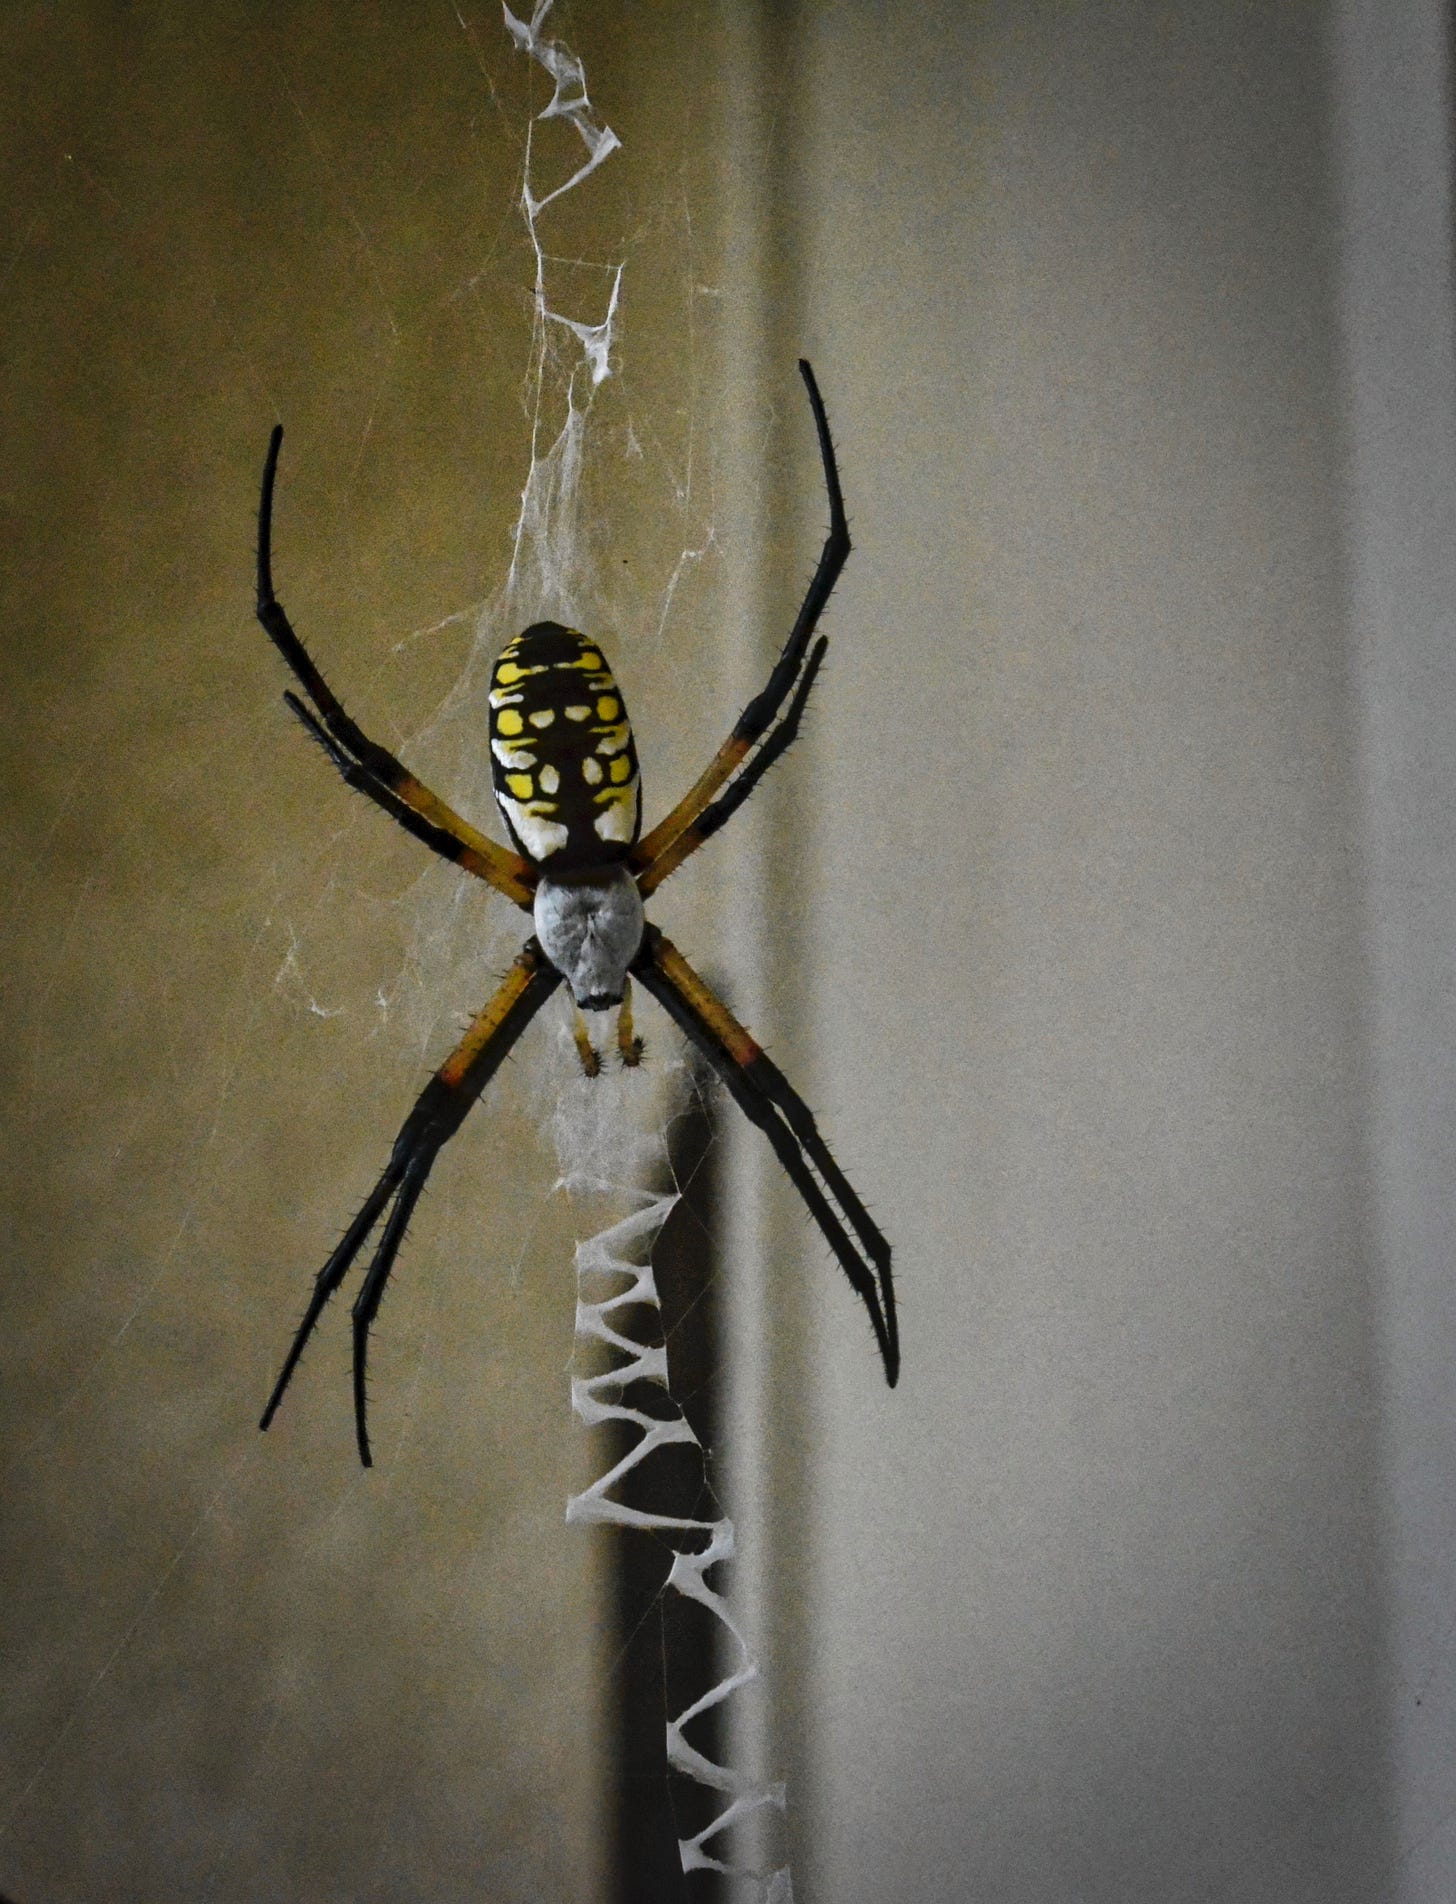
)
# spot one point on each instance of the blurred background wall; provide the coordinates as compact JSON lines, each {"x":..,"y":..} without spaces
{"x":1104,"y":913}
{"x":1130,"y":980}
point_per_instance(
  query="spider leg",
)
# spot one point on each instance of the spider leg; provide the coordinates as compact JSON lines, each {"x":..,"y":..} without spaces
{"x":728,"y":802}
{"x":586,"y":1051}
{"x":439,"y":1112}
{"x":329,"y":1278}
{"x":629,"y":1045}
{"x":371,"y":1291}
{"x":367,"y":766}
{"x":768,"y":1100}
{"x":353,"y":775}
{"x":672,"y":839}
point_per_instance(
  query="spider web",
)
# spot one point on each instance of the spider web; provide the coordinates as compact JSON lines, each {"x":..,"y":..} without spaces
{"x":605,"y":1145}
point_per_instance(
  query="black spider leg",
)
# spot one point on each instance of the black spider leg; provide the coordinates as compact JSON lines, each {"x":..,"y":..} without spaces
{"x":683,"y":830}
{"x":767,"y":1099}
{"x":363,"y":782}
{"x":439,"y":1112}
{"x":366,"y":766}
{"x":777,"y":743}
{"x":763,"y":1072}
{"x":371,"y":762}
{"x":764,"y":707}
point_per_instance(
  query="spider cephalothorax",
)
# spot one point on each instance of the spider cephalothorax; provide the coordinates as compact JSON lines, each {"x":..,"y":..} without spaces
{"x":564,"y":768}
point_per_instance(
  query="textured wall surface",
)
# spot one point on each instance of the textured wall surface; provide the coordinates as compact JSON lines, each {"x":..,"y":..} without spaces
{"x":234,"y":1666}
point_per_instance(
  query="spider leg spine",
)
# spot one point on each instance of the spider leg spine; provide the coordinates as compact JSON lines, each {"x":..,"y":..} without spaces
{"x":317,"y":732}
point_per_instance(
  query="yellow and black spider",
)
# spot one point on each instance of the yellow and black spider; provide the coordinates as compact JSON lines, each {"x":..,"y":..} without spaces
{"x":564,"y":768}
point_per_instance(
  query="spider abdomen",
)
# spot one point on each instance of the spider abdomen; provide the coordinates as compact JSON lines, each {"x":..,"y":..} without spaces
{"x":562,"y":757}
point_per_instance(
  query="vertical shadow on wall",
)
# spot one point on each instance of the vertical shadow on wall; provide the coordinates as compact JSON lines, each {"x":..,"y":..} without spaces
{"x":795,"y":506}
{"x":665,"y":1652}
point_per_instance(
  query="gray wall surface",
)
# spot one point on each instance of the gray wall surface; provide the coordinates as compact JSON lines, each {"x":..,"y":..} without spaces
{"x":1127,"y":956}
{"x":1394,"y":127}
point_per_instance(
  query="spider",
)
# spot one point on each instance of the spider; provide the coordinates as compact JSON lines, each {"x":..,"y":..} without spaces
{"x":564,"y":771}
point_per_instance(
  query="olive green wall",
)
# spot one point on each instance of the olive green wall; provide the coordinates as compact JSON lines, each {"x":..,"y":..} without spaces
{"x":234,"y":1666}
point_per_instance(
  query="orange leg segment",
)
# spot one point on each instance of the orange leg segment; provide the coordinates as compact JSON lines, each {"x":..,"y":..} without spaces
{"x":441,"y":1109}
{"x":766,"y":1097}
{"x":364,"y":764}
